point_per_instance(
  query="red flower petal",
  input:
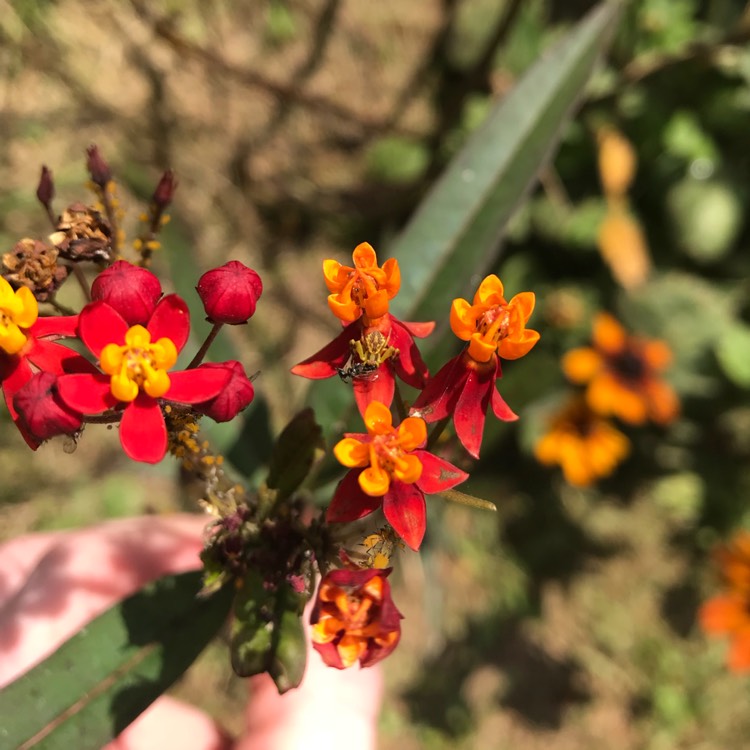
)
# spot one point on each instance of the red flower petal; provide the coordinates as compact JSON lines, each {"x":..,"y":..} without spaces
{"x":441,"y":393}
{"x":349,"y":503}
{"x":404,"y":508}
{"x":99,"y":325}
{"x":438,"y":474}
{"x":500,"y":409}
{"x":471,"y":408}
{"x":330,"y":654}
{"x":62,"y":325}
{"x":143,"y":433}
{"x":409,"y":364}
{"x":14,"y":374}
{"x":194,"y":386}
{"x":171,"y":320}
{"x":420,"y":330}
{"x":58,"y":359}
{"x":377,"y":386}
{"x":88,"y":394}
{"x":323,"y":363}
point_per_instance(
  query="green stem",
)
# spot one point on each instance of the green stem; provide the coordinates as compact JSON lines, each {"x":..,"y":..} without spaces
{"x":437,"y":431}
{"x":461,"y":497}
{"x":82,"y":282}
{"x":198,"y":358}
{"x":400,"y":404}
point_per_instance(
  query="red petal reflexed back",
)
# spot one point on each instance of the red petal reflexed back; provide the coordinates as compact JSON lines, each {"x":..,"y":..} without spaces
{"x":409,"y":364}
{"x":171,"y":320}
{"x":379,"y":386}
{"x":99,"y":325}
{"x":143,"y":434}
{"x":404,"y":508}
{"x":420,"y":330}
{"x":349,"y":503}
{"x":323,"y":363}
{"x":439,"y":397}
{"x":438,"y":474}
{"x":500,"y":409}
{"x":471,"y":409}
{"x":194,"y":386}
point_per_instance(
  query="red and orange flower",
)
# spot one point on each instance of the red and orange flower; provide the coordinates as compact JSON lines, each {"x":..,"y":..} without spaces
{"x":27,"y":346}
{"x":586,"y":446}
{"x":389,"y":468}
{"x":374,"y":346}
{"x":729,"y":612}
{"x":623,"y":374}
{"x":465,"y":386}
{"x":135,"y":361}
{"x":354,"y":618}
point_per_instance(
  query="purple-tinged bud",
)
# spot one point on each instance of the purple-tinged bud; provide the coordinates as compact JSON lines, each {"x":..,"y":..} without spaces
{"x":131,"y":290}
{"x":98,"y":169}
{"x":45,"y":191}
{"x":41,"y":411}
{"x":230,"y":293}
{"x":164,"y":192}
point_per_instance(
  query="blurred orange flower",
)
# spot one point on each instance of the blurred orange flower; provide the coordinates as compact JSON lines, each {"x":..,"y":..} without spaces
{"x":623,"y":374}
{"x":586,"y":446}
{"x":729,"y":613}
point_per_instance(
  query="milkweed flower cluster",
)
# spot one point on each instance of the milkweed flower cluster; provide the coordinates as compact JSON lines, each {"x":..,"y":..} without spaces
{"x":392,"y":468}
{"x":622,"y":377}
{"x":118,"y":361}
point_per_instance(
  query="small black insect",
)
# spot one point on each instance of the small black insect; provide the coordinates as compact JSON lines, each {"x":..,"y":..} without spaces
{"x":356,"y":370}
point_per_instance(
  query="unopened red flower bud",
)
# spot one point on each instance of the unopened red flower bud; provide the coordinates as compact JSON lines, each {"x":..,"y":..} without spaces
{"x":131,"y":290}
{"x":98,"y":169}
{"x":45,"y":190}
{"x":236,"y":395}
{"x":230,"y":293}
{"x":164,"y":192}
{"x":40,"y":410}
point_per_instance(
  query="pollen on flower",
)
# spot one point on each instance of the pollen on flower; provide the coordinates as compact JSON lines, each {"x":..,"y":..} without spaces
{"x":139,"y":364}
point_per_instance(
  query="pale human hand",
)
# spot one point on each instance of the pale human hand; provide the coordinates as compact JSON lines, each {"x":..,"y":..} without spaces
{"x":51,"y":584}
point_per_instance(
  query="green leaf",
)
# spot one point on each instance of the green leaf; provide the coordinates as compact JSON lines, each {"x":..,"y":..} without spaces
{"x":733,"y":353}
{"x":267,"y":632}
{"x":297,"y":448}
{"x":100,"y":680}
{"x":455,"y":233}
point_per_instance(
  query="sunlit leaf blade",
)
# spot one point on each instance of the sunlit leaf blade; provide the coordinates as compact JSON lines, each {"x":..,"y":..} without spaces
{"x":100,"y":680}
{"x":454,"y":235}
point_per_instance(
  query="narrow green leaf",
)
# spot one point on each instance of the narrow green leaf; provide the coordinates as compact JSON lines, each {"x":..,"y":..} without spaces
{"x":297,"y":448}
{"x":101,"y":679}
{"x":453,"y":237}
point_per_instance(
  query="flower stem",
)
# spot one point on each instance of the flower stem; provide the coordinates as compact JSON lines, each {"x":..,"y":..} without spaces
{"x":461,"y":497}
{"x":201,"y":353}
{"x":400,"y":404}
{"x":437,"y":431}
{"x":82,"y":282}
